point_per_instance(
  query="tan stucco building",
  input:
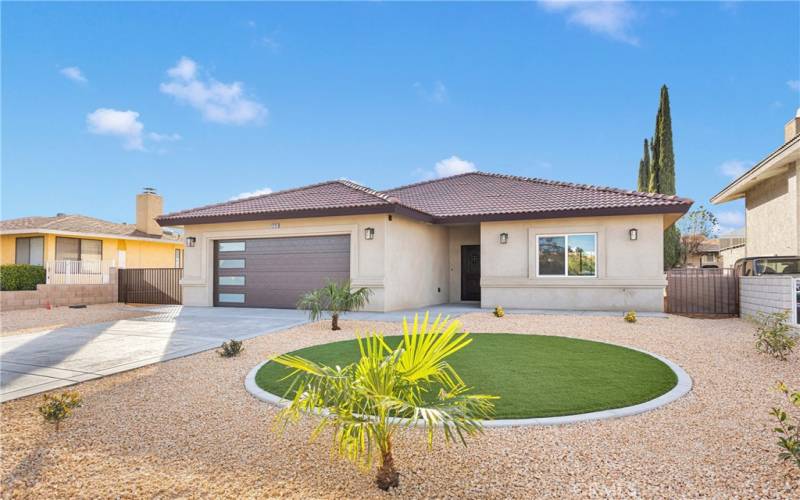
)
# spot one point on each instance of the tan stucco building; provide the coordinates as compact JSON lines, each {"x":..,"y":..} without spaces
{"x":482,"y":238}
{"x":772,"y":205}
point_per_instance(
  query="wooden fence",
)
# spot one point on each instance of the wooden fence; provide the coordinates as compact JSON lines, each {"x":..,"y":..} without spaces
{"x":150,"y":285}
{"x":703,"y":292}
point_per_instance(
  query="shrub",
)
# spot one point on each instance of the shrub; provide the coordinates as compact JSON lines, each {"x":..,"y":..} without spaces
{"x":788,"y":427}
{"x":334,"y":298}
{"x":58,"y":408}
{"x":359,"y":401}
{"x":21,"y":277}
{"x":774,"y":335}
{"x":231,"y":348}
{"x":630,"y":316}
{"x":499,"y":312}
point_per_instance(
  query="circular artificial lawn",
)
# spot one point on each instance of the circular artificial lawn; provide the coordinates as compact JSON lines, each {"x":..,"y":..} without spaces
{"x":534,"y":375}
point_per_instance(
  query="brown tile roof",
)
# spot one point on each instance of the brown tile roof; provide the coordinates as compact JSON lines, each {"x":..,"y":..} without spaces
{"x":80,"y":224}
{"x":467,"y":197}
{"x":486,"y":196}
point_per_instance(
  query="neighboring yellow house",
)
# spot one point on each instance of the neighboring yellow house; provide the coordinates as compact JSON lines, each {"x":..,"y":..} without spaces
{"x":59,"y":241}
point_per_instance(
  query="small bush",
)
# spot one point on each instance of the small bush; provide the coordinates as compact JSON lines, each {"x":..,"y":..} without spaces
{"x":630,"y":316}
{"x":499,"y":312}
{"x":15,"y":277}
{"x":231,"y":348}
{"x":788,"y":427}
{"x":774,"y":335}
{"x":57,"y":408}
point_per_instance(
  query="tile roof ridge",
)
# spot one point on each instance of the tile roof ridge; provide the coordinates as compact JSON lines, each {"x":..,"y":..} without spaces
{"x":248,"y":198}
{"x":368,"y":190}
{"x":430,"y":181}
{"x":590,"y":187}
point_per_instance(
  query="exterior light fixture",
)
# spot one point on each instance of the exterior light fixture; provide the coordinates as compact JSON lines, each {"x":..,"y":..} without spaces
{"x":503,"y":238}
{"x":276,"y":225}
{"x":633,"y":234}
{"x":190,"y":241}
{"x":369,"y":233}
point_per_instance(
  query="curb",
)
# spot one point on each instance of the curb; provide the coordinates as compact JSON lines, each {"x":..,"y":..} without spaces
{"x":682,"y":387}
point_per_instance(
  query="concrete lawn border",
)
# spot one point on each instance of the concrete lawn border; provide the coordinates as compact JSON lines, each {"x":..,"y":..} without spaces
{"x":682,"y":387}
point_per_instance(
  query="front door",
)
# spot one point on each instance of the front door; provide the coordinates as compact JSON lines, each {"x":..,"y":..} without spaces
{"x":470,"y":272}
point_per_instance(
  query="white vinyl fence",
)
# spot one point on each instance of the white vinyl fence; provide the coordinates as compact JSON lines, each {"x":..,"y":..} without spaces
{"x":78,"y":272}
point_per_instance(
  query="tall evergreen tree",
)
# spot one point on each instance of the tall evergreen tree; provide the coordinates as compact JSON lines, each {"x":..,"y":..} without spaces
{"x":642,"y":183}
{"x":660,"y":176}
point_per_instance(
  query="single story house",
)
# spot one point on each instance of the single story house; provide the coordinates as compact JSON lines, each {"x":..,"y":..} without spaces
{"x":477,"y":237}
{"x":772,"y":204}
{"x":59,"y":241}
{"x":707,"y":255}
{"x":732,"y":246}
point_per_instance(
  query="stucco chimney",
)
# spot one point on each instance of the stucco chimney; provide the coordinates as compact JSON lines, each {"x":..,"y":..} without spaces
{"x":149,"y":205}
{"x":792,"y":129}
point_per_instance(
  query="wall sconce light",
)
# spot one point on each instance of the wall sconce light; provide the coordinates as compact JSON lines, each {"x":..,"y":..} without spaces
{"x":633,"y":234}
{"x":503,"y":238}
{"x":276,"y":225}
{"x":369,"y":233}
{"x":190,"y":241}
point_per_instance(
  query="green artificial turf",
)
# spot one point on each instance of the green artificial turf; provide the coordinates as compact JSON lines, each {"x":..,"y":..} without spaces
{"x":535,"y":376}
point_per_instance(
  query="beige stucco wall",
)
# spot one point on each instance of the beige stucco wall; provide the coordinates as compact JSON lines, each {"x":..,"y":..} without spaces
{"x":367,"y":263}
{"x":773,"y":216}
{"x":417,"y":269}
{"x":458,"y":236}
{"x":729,"y":256}
{"x":629,"y":273}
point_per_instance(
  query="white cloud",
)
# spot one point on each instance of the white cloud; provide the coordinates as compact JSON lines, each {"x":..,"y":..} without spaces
{"x":730,"y":219}
{"x":156,"y":137}
{"x":74,"y":73}
{"x":123,"y":124}
{"x":794,"y":85}
{"x":734,"y":168}
{"x":249,"y":194}
{"x":610,"y":18}
{"x":270,"y":42}
{"x":437,"y":93}
{"x":218,"y":102}
{"x":446,"y":168}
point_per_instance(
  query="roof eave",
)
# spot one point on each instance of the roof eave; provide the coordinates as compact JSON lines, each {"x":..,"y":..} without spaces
{"x":388,"y":208}
{"x":738,"y":187}
{"x":562,"y":214}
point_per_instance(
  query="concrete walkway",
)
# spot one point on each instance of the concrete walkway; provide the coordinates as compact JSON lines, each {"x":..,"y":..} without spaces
{"x":38,"y":362}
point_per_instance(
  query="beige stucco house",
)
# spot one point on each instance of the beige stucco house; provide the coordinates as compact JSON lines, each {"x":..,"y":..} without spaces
{"x":477,"y":237}
{"x":772,"y":205}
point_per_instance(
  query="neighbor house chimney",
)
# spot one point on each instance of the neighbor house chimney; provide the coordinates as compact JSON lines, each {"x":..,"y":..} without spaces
{"x":792,"y":129}
{"x":149,"y":205}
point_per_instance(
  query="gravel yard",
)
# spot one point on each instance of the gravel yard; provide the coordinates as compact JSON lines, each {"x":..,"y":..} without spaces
{"x":188,"y":428}
{"x":35,"y":320}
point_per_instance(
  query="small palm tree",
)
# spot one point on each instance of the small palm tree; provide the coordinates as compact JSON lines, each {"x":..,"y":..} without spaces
{"x":334,"y":298}
{"x":365,"y":402}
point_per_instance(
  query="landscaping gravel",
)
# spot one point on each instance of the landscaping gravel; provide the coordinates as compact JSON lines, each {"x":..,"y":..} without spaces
{"x":188,"y":428}
{"x":35,"y":320}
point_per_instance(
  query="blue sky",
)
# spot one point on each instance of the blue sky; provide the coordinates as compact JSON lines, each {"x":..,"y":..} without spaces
{"x":207,"y":101}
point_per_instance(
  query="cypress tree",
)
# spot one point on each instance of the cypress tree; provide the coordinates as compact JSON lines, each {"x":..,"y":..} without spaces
{"x":642,"y":183}
{"x":666,"y":157}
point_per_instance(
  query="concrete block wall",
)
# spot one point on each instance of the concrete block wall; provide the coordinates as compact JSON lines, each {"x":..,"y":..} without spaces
{"x":61,"y":295}
{"x":766,"y":294}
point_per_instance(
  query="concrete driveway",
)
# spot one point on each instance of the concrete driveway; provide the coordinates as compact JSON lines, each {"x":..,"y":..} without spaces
{"x":38,"y":362}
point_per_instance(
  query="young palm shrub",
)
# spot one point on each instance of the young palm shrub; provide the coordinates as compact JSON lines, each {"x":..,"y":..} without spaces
{"x":334,"y":298}
{"x":388,"y":391}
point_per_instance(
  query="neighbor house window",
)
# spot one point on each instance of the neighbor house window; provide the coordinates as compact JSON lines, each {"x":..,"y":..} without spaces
{"x":567,"y":255}
{"x":79,"y":249}
{"x":30,"y":251}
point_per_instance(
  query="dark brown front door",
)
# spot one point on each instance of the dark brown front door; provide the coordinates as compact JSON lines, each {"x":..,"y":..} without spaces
{"x":276,"y":272}
{"x":470,"y":272}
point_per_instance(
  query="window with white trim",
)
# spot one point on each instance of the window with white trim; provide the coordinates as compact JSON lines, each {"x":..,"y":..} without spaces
{"x":566,"y":255}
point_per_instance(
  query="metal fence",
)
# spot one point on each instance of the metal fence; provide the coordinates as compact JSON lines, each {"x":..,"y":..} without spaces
{"x":150,"y":285}
{"x":703,"y":292}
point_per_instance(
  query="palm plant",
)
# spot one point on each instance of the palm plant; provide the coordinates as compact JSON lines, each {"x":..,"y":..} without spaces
{"x":334,"y":298}
{"x":387,"y":391}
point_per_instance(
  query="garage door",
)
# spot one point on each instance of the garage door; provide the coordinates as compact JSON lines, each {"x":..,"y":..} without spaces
{"x":276,"y":272}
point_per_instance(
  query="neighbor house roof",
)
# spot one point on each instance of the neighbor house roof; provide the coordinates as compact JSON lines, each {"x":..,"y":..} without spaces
{"x":68,"y":224}
{"x":773,"y":164}
{"x":473,"y":196}
{"x":709,"y":246}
